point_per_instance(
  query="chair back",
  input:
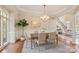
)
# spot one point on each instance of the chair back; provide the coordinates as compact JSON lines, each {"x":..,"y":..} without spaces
{"x":34,"y":35}
{"x":41,"y":38}
{"x":52,"y":37}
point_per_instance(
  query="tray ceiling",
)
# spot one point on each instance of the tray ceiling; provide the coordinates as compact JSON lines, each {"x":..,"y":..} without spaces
{"x":37,"y":10}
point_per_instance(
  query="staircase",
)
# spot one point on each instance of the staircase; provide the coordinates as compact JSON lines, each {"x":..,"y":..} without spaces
{"x":62,"y":24}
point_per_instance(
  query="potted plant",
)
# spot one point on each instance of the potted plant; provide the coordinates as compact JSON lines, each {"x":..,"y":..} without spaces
{"x":22,"y":23}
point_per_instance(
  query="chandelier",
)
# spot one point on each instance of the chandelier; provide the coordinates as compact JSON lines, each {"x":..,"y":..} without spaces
{"x":45,"y":16}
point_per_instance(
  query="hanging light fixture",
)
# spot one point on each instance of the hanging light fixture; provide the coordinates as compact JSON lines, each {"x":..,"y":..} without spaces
{"x":44,"y":17}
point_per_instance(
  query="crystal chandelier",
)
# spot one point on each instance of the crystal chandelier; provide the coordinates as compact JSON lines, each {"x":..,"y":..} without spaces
{"x":44,"y":17}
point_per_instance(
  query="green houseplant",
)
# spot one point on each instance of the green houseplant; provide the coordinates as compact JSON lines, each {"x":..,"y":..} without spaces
{"x":22,"y":23}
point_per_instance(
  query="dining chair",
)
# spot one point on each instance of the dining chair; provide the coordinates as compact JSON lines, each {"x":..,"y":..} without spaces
{"x":34,"y":38}
{"x":52,"y":38}
{"x":27,"y":39}
{"x":41,"y":38}
{"x":41,"y":41}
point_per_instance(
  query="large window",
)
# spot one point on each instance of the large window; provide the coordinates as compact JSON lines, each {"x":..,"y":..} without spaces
{"x":3,"y":26}
{"x":77,"y":24}
{"x":0,"y":30}
{"x":77,"y":28}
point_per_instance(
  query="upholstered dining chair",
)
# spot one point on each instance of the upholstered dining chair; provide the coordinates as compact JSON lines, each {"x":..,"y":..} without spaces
{"x":41,"y":38}
{"x":27,"y":39}
{"x":52,"y":38}
{"x":34,"y":38}
{"x":41,"y":41}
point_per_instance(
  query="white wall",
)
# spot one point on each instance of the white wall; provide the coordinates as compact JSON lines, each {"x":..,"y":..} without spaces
{"x":11,"y":32}
{"x":50,"y":26}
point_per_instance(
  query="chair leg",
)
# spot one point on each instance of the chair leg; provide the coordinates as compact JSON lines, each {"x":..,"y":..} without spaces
{"x":57,"y":41}
{"x":31,"y":44}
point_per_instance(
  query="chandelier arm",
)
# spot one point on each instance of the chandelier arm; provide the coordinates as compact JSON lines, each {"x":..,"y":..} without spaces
{"x":44,"y":17}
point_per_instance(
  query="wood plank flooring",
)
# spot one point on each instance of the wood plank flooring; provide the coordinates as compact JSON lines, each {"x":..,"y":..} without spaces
{"x":14,"y":47}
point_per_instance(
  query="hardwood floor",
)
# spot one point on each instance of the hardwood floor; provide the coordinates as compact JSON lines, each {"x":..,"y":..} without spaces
{"x":18,"y":45}
{"x":14,"y":47}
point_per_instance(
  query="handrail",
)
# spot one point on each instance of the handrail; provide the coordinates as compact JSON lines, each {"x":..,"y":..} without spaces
{"x":64,"y":27}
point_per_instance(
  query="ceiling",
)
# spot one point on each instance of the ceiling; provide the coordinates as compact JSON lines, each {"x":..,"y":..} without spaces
{"x":37,"y":10}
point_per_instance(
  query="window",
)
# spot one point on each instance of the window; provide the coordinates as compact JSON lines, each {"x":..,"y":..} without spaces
{"x":0,"y":28}
{"x":77,"y":24}
{"x":3,"y":26}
